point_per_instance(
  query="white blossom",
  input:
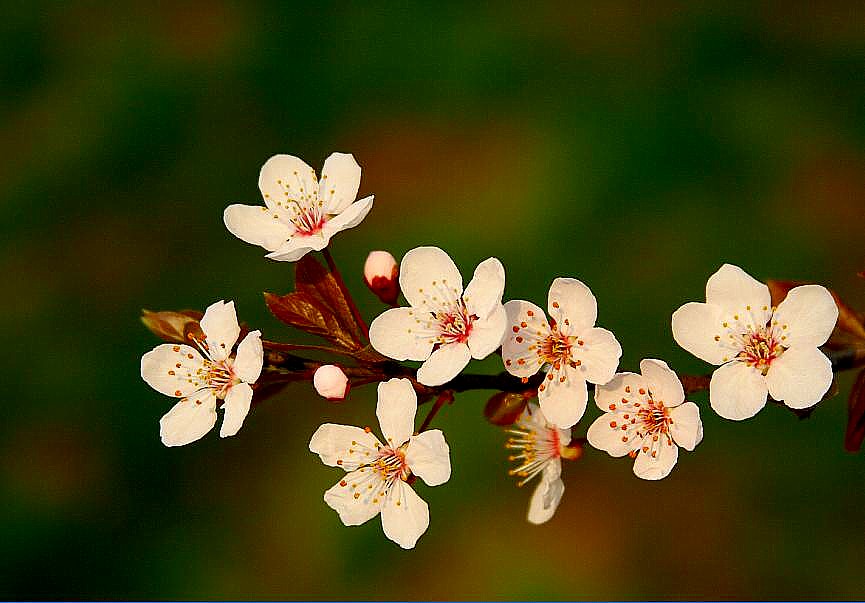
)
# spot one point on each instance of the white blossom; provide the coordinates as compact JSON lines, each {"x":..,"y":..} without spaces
{"x":646,"y":417}
{"x":445,"y":326}
{"x":300,"y":213}
{"x":378,"y":474}
{"x":760,"y":349}
{"x":538,"y":448}
{"x":200,"y":377}
{"x":569,"y":345}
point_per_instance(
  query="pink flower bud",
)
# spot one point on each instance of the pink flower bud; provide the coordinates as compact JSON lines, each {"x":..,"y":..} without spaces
{"x":380,"y":273}
{"x":330,"y":382}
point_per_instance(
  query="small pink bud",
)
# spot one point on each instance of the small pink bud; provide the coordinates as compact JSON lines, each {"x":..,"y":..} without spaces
{"x":330,"y":382}
{"x":380,"y":273}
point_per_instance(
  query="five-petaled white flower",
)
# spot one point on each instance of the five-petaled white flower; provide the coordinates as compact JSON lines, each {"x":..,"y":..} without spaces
{"x":201,"y":376}
{"x":761,"y":349}
{"x":646,"y":417}
{"x":445,"y":326}
{"x":539,"y":447}
{"x":573,"y":349}
{"x":378,"y":474}
{"x":301,"y":213}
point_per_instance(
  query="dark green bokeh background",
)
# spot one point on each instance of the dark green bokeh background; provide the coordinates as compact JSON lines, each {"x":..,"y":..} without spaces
{"x":636,"y":150}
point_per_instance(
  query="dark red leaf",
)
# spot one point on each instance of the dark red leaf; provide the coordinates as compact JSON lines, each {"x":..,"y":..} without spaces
{"x":315,"y":281}
{"x":856,"y":415}
{"x":504,"y":408}
{"x":174,"y":326}
{"x":309,"y":314}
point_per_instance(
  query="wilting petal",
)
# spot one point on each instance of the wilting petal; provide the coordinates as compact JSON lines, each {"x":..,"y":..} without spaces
{"x":404,"y":515}
{"x":806,"y":317}
{"x":353,"y":499}
{"x":350,"y":217}
{"x":402,"y":334}
{"x":545,"y":500}
{"x":487,"y":334}
{"x":284,"y":179}
{"x":428,"y":457}
{"x":256,"y":225}
{"x":189,"y":419}
{"x":220,"y":328}
{"x":340,"y":180}
{"x":686,"y":428}
{"x":524,"y":321}
{"x":344,"y":446}
{"x":250,"y":357}
{"x":444,"y":364}
{"x":429,"y":278}
{"x":656,"y":458}
{"x":800,"y":377}
{"x":397,"y":405}
{"x":599,"y":355}
{"x":484,"y":292}
{"x":236,"y":408}
{"x":169,"y":368}
{"x":697,"y":328}
{"x":664,"y":383}
{"x":572,"y":301}
{"x":563,"y":398}
{"x":734,"y":290}
{"x":606,"y":434}
{"x":737,"y":391}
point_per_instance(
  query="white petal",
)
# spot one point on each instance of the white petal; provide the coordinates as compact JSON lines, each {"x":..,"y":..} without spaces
{"x":606,"y":434}
{"x":487,"y":333}
{"x":484,"y":292}
{"x":428,"y":457}
{"x":340,"y":180}
{"x":344,"y":446}
{"x":396,"y":408}
{"x":220,"y":328}
{"x":429,"y":278}
{"x":160,"y":370}
{"x":622,"y":389}
{"x":285,"y":178}
{"x":250,"y":357}
{"x":664,"y":383}
{"x":189,"y":419}
{"x":519,"y":359}
{"x":355,"y":510}
{"x":444,"y":364}
{"x":563,"y":402}
{"x":400,"y":334}
{"x":545,"y":500}
{"x":571,"y":300}
{"x":800,"y":377}
{"x":256,"y":225}
{"x":696,"y":327}
{"x":350,"y":217}
{"x":806,"y":316}
{"x":656,"y":458}
{"x":686,"y":428}
{"x":404,"y":515}
{"x":236,"y":408}
{"x":737,"y":391}
{"x":599,"y":355}
{"x":733,"y":290}
{"x":297,"y":247}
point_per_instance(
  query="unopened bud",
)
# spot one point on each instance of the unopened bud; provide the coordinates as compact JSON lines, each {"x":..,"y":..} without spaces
{"x":330,"y":382}
{"x":173,"y":326}
{"x":572,"y":451}
{"x":380,"y":273}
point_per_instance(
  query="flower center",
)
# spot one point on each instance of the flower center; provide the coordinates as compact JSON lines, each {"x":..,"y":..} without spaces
{"x":308,"y":221}
{"x":759,"y":349}
{"x":535,"y":447}
{"x":556,"y":349}
{"x":655,"y":418}
{"x":454,"y":325}
{"x":218,"y":376}
{"x":391,"y":464}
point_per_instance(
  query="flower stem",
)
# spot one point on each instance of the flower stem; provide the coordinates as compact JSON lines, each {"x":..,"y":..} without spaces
{"x":331,"y":265}
{"x":446,"y":396}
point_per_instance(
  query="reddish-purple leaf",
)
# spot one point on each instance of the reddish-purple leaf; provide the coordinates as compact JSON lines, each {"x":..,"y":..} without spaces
{"x":314,"y":280}
{"x":856,"y":415}
{"x":310,"y":315}
{"x":504,"y":408}
{"x":174,"y":326}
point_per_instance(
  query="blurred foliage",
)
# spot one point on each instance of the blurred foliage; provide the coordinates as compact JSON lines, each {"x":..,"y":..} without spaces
{"x":636,"y":149}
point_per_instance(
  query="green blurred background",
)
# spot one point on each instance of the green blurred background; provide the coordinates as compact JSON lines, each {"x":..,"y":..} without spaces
{"x":634,"y":149}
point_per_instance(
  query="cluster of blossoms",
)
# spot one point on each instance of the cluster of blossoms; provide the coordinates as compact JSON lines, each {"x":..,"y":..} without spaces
{"x":553,"y":355}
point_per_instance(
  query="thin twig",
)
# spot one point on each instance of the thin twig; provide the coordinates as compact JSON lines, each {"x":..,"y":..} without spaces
{"x":446,"y":396}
